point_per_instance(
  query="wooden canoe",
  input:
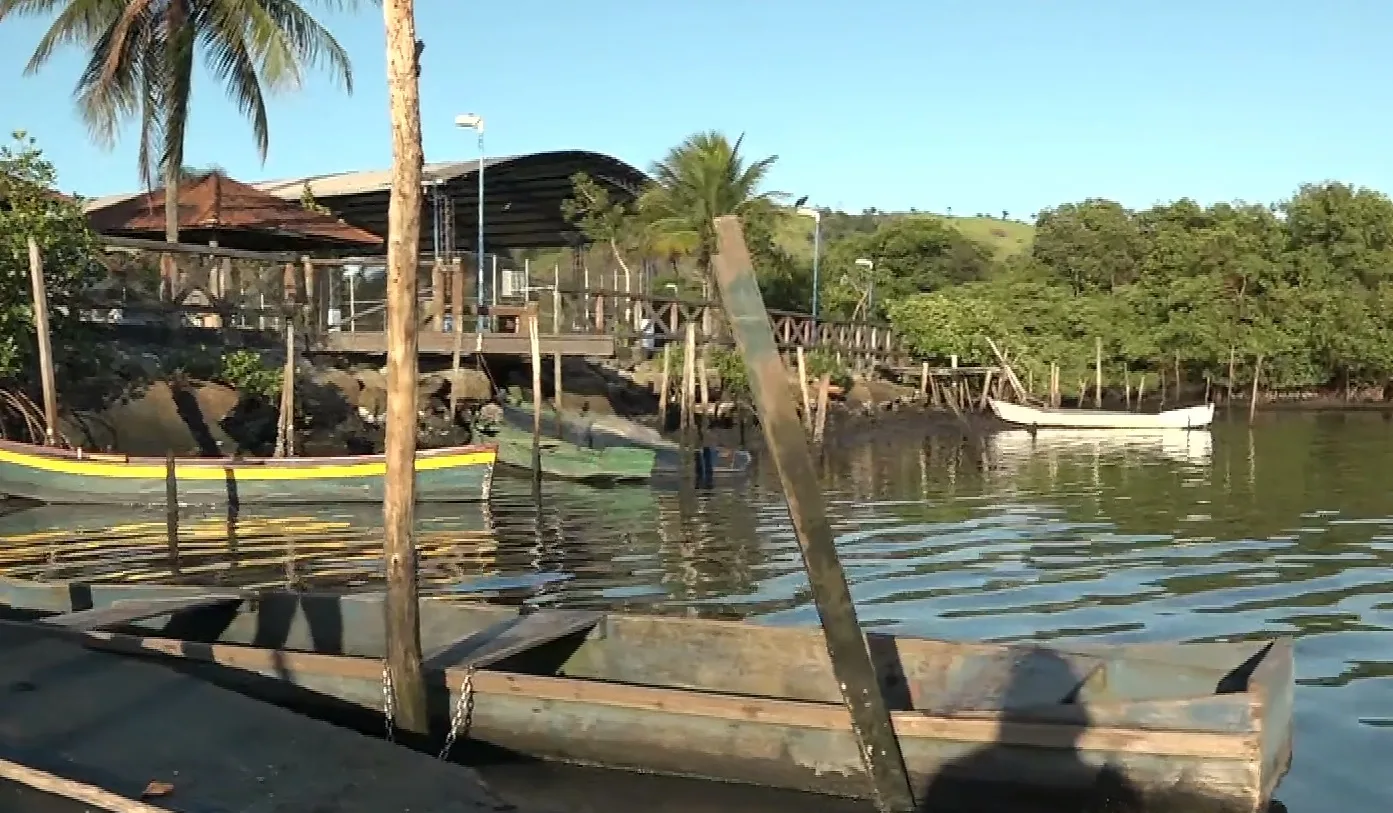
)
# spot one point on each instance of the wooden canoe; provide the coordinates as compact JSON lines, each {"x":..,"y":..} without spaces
{"x":565,"y":460}
{"x":1195,"y":417}
{"x":461,"y":473}
{"x":610,"y":431}
{"x":1183,"y":726}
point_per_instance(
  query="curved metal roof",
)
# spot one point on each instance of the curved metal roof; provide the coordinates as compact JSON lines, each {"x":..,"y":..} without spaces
{"x":522,"y":196}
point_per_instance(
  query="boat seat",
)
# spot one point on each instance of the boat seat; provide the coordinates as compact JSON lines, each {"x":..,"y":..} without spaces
{"x":509,"y":637}
{"x":123,"y":612}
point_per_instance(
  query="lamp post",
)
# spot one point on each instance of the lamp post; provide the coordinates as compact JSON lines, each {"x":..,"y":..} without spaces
{"x":816,"y":215}
{"x":475,"y":122}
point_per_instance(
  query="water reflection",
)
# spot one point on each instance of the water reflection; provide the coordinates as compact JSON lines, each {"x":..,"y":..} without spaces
{"x":1285,"y":527}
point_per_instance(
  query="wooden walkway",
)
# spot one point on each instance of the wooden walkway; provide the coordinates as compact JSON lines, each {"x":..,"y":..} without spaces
{"x":119,"y":723}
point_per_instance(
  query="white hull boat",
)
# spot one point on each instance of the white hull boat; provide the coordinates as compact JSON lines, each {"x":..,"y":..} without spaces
{"x":1195,"y":417}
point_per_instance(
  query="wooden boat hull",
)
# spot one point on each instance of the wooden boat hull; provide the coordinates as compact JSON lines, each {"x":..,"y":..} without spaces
{"x":1195,"y":417}
{"x":1172,"y":726}
{"x":607,"y":432}
{"x":567,"y":461}
{"x":463,"y":473}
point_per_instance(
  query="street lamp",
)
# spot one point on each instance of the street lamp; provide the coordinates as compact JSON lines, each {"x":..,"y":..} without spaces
{"x":816,"y":215}
{"x":475,"y":122}
{"x":869,"y":265}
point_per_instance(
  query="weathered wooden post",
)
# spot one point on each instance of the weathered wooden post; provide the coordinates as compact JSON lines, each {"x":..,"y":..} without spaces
{"x":535,"y":343}
{"x":823,"y":385}
{"x":846,"y":645}
{"x":171,"y":510}
{"x":457,"y":328}
{"x":1253,"y":402}
{"x":408,"y":689}
{"x":664,"y":385}
{"x":556,"y":385}
{"x":41,"y":335}
{"x":1097,"y":372}
{"x":803,"y":391}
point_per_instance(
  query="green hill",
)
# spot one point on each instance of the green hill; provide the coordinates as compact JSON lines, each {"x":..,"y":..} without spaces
{"x":1004,"y":237}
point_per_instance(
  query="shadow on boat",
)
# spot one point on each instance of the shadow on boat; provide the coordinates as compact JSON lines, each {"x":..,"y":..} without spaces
{"x":1064,"y":777}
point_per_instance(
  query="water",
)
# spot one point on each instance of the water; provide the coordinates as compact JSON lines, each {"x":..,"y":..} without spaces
{"x":1283,"y":528}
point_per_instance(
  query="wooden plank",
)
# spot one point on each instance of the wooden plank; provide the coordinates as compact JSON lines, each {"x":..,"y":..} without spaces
{"x":126,"y":612}
{"x":846,"y":643}
{"x":510,"y":637}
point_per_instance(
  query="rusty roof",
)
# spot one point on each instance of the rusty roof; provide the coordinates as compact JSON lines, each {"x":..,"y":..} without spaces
{"x":218,"y":203}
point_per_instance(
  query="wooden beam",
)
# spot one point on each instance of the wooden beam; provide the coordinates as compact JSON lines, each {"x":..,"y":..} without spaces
{"x":846,"y":645}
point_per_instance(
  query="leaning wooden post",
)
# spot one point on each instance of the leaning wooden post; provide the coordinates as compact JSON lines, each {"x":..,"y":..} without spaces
{"x":924,"y":380}
{"x":402,"y":621}
{"x":46,"y":378}
{"x":535,"y":343}
{"x":803,"y":389}
{"x":1253,"y":402}
{"x":846,"y":645}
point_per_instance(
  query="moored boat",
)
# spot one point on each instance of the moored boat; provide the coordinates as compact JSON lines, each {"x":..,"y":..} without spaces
{"x":456,"y":474}
{"x":565,"y":460}
{"x":1184,"y":726}
{"x":1195,"y":417}
{"x":610,"y":431}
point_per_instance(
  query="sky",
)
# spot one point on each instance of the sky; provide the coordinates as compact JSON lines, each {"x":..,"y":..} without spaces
{"x":939,"y":105}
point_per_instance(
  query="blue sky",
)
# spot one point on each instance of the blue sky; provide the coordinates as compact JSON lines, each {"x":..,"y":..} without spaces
{"x":975,"y":106}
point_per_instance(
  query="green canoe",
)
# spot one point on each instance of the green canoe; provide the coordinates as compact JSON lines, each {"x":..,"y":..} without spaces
{"x":567,"y":461}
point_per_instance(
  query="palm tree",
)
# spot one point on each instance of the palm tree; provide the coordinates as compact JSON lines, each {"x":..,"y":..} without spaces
{"x":699,"y":180}
{"x":140,"y":66}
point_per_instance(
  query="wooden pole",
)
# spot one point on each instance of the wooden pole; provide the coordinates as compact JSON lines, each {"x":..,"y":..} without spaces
{"x":846,"y":645}
{"x":1127,"y":388}
{"x":556,"y":386}
{"x":704,"y":412}
{"x":534,"y":341}
{"x":823,"y":385}
{"x":171,"y":510}
{"x":803,"y":389}
{"x":1228,"y":396}
{"x":1006,"y":370}
{"x":402,"y":609}
{"x":1141,"y":389}
{"x":688,"y":378}
{"x":664,"y":386}
{"x":70,"y":789}
{"x":437,"y":295}
{"x":924,"y":380}
{"x":1253,"y":402}
{"x":46,"y":377}
{"x":285,"y":428}
{"x":456,"y":327}
{"x":1097,"y":372}
{"x":1177,"y":376}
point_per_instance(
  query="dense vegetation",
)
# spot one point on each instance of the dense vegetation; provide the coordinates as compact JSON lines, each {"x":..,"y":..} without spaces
{"x":1307,"y":283}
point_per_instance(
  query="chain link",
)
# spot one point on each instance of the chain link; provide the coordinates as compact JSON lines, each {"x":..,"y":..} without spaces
{"x":387,"y":707}
{"x":462,"y":715}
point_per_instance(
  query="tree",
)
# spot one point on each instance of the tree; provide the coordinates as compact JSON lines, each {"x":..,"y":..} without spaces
{"x":140,"y":58}
{"x":703,"y":178}
{"x":29,"y":207}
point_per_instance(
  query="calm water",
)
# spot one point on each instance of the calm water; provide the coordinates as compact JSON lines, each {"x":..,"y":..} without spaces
{"x":1283,"y":528}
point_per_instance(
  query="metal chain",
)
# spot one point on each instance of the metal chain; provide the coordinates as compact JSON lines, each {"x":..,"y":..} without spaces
{"x":387,"y":708}
{"x":462,"y":715}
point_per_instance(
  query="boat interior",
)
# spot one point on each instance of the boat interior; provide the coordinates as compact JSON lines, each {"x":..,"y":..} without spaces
{"x":1173,"y":686}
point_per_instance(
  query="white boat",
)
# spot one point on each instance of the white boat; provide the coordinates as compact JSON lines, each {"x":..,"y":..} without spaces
{"x":1195,"y":417}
